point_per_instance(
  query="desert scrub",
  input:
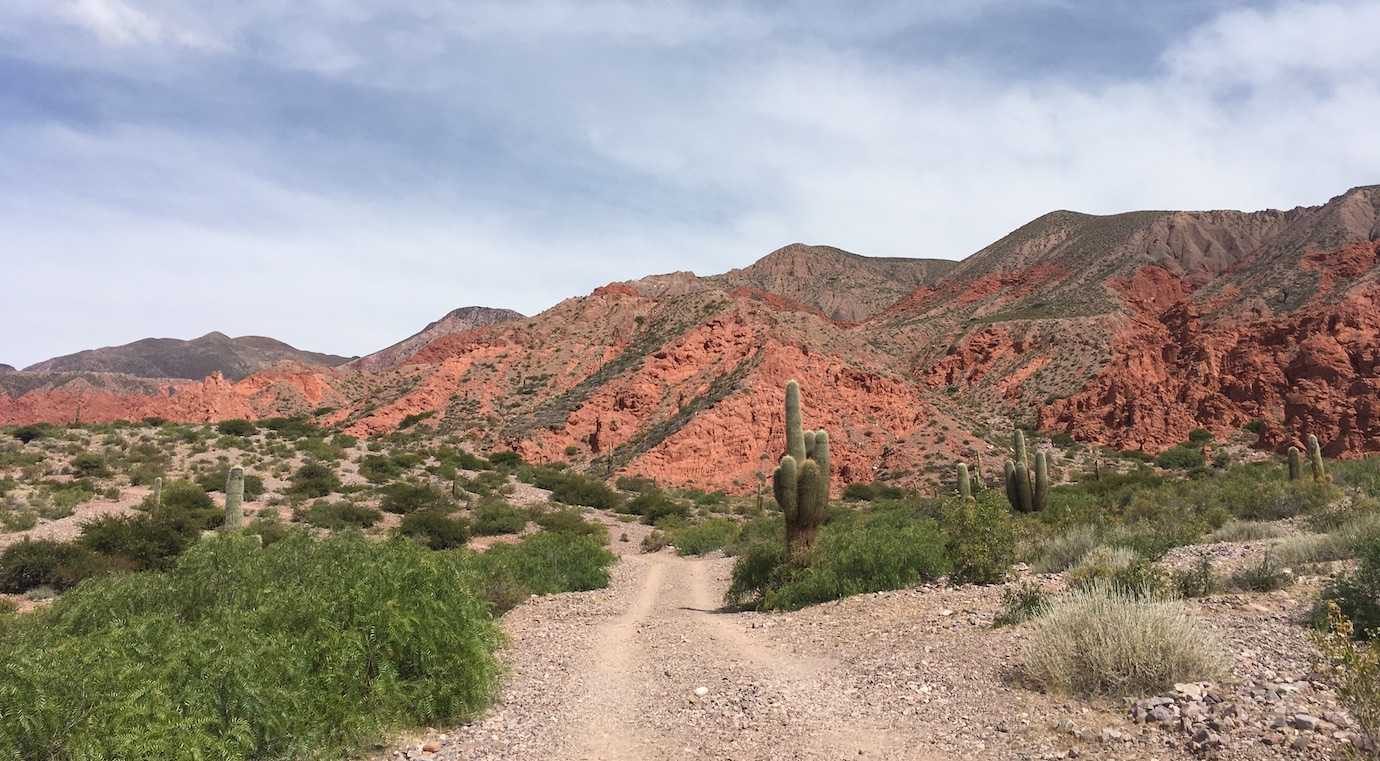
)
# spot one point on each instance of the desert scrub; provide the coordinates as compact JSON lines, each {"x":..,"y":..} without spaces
{"x":655,"y":507}
{"x":1357,"y":595}
{"x":1118,"y":568}
{"x":980,"y":539}
{"x":493,"y":517}
{"x":1020,"y":603}
{"x":403,"y":498}
{"x":312,"y":480}
{"x":435,"y":529}
{"x":303,"y":649}
{"x":214,"y":480}
{"x":1265,"y":575}
{"x":544,"y":563}
{"x":34,"y":563}
{"x":1246,"y":531}
{"x":864,"y":554}
{"x":568,"y":520}
{"x":236,"y":427}
{"x":1104,"y":641}
{"x":340,"y":515}
{"x":571,"y":488}
{"x":1354,"y":668}
{"x":704,"y":537}
{"x":1065,"y":549}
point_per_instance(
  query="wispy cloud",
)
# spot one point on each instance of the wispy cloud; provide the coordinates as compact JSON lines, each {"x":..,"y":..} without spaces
{"x":338,"y":172}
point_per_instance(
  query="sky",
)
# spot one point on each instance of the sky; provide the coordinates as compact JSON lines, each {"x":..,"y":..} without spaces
{"x":338,"y":173}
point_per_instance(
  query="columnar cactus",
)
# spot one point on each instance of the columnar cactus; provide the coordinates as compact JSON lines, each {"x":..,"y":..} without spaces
{"x":158,"y":493}
{"x":1295,"y":467}
{"x":965,"y":487}
{"x":234,"y":499}
{"x":1315,"y":459}
{"x":977,"y":475}
{"x":801,"y":482}
{"x":1027,"y":493}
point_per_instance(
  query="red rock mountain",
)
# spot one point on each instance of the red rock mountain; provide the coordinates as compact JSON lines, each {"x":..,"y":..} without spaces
{"x":1128,"y":330}
{"x":455,"y":321}
{"x":235,"y":358}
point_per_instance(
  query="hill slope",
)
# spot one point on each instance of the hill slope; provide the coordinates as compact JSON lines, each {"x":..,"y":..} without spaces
{"x":1129,"y":330}
{"x":455,"y":321}
{"x":215,"y":352}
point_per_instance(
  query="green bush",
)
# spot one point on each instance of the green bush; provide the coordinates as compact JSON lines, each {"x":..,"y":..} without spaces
{"x":312,"y":480}
{"x":1357,"y":595}
{"x":1267,"y":575}
{"x":183,"y":495}
{"x":340,"y":515}
{"x":497,"y":517}
{"x":236,"y":427}
{"x":28,"y":433}
{"x":1064,"y":550}
{"x":1199,"y":580}
{"x":544,"y":563}
{"x":575,"y":489}
{"x":655,"y":506}
{"x":435,"y":529}
{"x":379,"y":469}
{"x":981,"y":540}
{"x":403,"y":498}
{"x":150,"y":541}
{"x":639,"y":484}
{"x":214,"y":480}
{"x":89,"y":465}
{"x":291,"y":427}
{"x":33,"y":563}
{"x":850,"y":557}
{"x":303,"y":649}
{"x":1021,"y":602}
{"x":1181,"y":457}
{"x":704,"y":537}
{"x":569,"y":521}
{"x":871,"y":492}
{"x":505,"y":459}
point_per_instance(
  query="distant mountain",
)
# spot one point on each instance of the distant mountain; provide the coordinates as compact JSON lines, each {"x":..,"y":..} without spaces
{"x":215,"y":352}
{"x":1129,"y":330}
{"x":455,"y":321}
{"x":4,"y":368}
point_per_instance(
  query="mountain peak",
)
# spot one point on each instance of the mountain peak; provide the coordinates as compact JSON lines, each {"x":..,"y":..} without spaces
{"x":455,"y":321}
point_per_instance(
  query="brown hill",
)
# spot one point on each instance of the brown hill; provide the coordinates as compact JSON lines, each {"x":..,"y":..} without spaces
{"x":1128,"y":329}
{"x":198,"y":358}
{"x":455,"y":321}
{"x":4,"y":368}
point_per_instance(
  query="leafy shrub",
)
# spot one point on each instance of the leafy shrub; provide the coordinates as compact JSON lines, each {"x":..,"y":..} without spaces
{"x":546,"y":563}
{"x":639,"y":484}
{"x":435,"y":529}
{"x":89,"y":465}
{"x":850,"y":557}
{"x":575,"y":489}
{"x":291,"y":428}
{"x":1181,"y":457}
{"x":981,"y":541}
{"x":29,"y":433}
{"x":340,"y":515}
{"x":313,"y":479}
{"x":871,"y":492}
{"x":149,"y":541}
{"x":1246,"y":531}
{"x":1264,"y":576}
{"x":183,"y":495}
{"x":302,"y":649}
{"x":215,"y":480}
{"x":655,"y":506}
{"x":236,"y":427}
{"x":1103,"y":641}
{"x":379,"y":469}
{"x":705,"y":537}
{"x":403,"y":498}
{"x":1357,"y":595}
{"x":1120,"y":569}
{"x":497,"y":517}
{"x":1197,"y":581}
{"x":1199,"y":436}
{"x":1354,"y":667}
{"x":1065,"y":550}
{"x":18,"y":520}
{"x":1021,"y":602}
{"x":33,"y":563}
{"x":569,"y":521}
{"x":505,"y":459}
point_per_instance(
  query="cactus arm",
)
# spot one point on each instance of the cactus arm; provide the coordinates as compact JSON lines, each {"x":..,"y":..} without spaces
{"x":1295,"y":466}
{"x":795,"y":435}
{"x":1041,"y":497}
{"x":965,"y":487}
{"x":1316,"y":459}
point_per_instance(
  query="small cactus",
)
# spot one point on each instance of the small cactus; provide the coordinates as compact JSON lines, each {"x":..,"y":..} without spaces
{"x":801,"y":482}
{"x":1295,"y":467}
{"x":234,"y":499}
{"x":157,"y":493}
{"x":977,"y":475}
{"x":1041,"y":497}
{"x":1315,"y":459}
{"x":965,"y":487}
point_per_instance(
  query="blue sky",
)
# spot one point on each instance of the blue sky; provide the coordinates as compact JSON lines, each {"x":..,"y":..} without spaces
{"x":337,"y":173}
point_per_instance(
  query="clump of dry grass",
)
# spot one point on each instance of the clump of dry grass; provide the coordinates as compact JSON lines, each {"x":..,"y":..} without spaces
{"x":1065,"y":550}
{"x":1247,"y":531}
{"x":1103,"y":641}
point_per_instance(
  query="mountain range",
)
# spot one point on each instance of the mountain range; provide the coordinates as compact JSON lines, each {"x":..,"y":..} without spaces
{"x":1129,"y":330}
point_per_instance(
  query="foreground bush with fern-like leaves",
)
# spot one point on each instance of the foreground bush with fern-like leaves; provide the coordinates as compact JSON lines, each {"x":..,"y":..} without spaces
{"x":303,"y":649}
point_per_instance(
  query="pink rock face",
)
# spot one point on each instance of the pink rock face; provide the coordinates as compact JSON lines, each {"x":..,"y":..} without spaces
{"x":1127,"y":330}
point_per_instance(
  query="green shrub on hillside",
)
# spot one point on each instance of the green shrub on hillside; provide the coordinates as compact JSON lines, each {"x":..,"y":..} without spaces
{"x":89,"y":465}
{"x":498,"y":517}
{"x":236,"y":427}
{"x":1357,"y":595}
{"x":544,"y":563}
{"x":435,"y":528}
{"x":214,"y":480}
{"x":312,"y":480}
{"x":704,"y":537}
{"x":340,"y":515}
{"x":302,"y":649}
{"x":34,"y":563}
{"x":981,"y":540}
{"x":403,"y":498}
{"x":573,"y":488}
{"x":655,"y":506}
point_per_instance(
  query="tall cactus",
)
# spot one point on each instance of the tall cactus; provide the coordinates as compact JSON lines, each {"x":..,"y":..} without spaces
{"x":1026,"y":492}
{"x":1295,"y":467}
{"x":965,"y":487}
{"x":157,"y":493}
{"x":1315,"y":459}
{"x":234,"y":499}
{"x":977,"y":474}
{"x":801,"y":482}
